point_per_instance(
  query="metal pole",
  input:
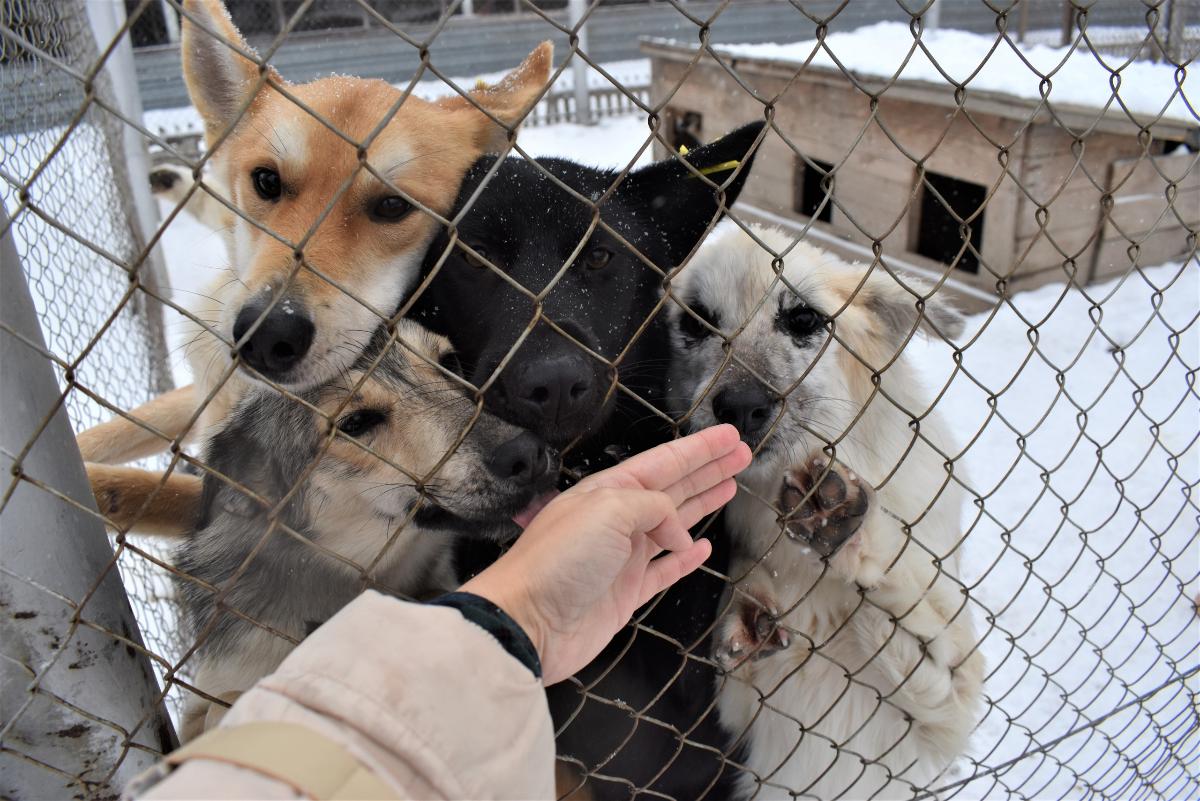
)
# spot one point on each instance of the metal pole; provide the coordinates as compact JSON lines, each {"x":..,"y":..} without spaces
{"x":576,"y":9}
{"x":1068,"y":23}
{"x":170,"y":21}
{"x":467,"y":8}
{"x":132,"y":172}
{"x":1176,"y":28}
{"x":70,"y":691}
{"x":932,"y":18}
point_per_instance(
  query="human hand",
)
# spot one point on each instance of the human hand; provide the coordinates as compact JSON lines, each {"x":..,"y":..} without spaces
{"x":587,"y":561}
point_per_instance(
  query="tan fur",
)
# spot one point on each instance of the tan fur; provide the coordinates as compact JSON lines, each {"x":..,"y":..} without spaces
{"x":347,"y":270}
{"x":156,"y":503}
{"x":569,"y":784}
{"x":159,"y":422}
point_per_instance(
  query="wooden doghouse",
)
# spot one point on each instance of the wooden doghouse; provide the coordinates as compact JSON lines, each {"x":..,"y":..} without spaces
{"x":1042,"y":194}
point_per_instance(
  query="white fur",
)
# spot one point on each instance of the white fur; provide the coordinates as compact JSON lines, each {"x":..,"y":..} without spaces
{"x":852,"y":708}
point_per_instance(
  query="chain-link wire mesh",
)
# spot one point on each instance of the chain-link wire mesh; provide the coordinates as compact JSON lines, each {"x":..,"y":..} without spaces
{"x":68,"y":192}
{"x":965,"y":563}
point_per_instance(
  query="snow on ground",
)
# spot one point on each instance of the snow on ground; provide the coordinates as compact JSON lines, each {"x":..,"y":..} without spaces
{"x":1078,"y":76}
{"x":1085,"y":551}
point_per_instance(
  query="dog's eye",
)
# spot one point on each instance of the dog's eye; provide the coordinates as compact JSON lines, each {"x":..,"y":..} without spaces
{"x":692,"y":328}
{"x":800,"y":321}
{"x":476,"y":261}
{"x":267,"y":183}
{"x":390,"y":209}
{"x":450,"y":361}
{"x":597,"y":258}
{"x":361,"y":422}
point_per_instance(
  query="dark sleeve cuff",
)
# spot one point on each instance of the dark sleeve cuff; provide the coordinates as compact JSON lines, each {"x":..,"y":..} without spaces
{"x":494,"y":621}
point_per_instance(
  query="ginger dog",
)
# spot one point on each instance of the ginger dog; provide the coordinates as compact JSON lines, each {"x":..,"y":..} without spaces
{"x":327,"y":180}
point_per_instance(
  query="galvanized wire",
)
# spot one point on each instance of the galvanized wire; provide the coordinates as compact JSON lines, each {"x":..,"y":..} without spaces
{"x":82,"y":262}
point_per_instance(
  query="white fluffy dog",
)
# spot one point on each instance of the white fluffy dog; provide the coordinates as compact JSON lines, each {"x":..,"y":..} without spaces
{"x":851,"y":662}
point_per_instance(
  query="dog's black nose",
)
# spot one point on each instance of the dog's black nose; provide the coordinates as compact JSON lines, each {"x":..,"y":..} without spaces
{"x":523,"y":459}
{"x":279,"y":342}
{"x":748,"y":408}
{"x":162,"y":180}
{"x":554,"y":390}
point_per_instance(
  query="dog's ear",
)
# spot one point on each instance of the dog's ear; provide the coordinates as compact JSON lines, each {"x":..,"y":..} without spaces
{"x":217,"y":65}
{"x":685,"y":202}
{"x":897,"y":307}
{"x":264,"y":447}
{"x":508,"y":100}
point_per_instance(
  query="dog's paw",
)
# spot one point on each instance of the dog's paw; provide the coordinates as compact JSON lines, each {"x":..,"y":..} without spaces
{"x":824,"y":504}
{"x":750,"y":630}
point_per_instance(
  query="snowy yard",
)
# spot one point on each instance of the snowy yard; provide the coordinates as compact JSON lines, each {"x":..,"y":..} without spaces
{"x":1078,"y":414}
{"x":1077,"y":76}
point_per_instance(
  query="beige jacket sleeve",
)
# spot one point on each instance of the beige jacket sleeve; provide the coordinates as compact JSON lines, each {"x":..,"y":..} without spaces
{"x":429,"y":702}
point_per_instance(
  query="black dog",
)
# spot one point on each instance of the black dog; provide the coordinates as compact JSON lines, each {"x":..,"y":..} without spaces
{"x":528,"y":237}
{"x":529,"y":227}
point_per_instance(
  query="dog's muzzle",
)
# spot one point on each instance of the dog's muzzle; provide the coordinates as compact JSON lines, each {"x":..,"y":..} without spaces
{"x":280,"y":341}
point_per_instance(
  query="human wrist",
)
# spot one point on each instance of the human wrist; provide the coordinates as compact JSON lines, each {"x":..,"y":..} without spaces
{"x":493,"y":619}
{"x":511,"y":597}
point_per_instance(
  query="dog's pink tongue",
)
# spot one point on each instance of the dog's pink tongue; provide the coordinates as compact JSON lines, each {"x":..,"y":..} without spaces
{"x":524,"y":517}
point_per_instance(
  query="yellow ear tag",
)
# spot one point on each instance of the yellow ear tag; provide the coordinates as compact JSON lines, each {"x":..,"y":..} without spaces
{"x":480,"y":85}
{"x":724,"y":166}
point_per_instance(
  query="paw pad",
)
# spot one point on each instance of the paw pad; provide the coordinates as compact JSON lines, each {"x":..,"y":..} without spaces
{"x":824,"y":504}
{"x":753,"y":633}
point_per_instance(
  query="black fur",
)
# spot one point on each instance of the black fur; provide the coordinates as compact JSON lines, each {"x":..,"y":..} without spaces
{"x":529,"y":226}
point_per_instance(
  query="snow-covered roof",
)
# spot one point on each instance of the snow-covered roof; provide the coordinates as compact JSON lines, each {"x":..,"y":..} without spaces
{"x":988,"y":64}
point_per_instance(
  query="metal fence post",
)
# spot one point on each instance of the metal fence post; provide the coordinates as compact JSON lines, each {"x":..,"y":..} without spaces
{"x":1176,"y":31}
{"x":1068,"y":23}
{"x":576,"y":9}
{"x":170,"y":21}
{"x":106,"y":20}
{"x":81,"y":709}
{"x":932,"y":18}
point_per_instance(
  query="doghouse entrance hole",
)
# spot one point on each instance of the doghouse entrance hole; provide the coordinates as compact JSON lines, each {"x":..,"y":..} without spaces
{"x":810,"y":193}
{"x":686,"y":128}
{"x":938,"y":235}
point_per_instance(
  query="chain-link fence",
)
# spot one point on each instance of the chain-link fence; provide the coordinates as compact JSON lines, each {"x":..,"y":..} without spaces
{"x":937,"y":265}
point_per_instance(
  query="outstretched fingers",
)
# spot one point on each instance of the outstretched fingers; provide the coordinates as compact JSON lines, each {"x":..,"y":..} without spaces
{"x":696,"y":508}
{"x":711,"y":475}
{"x":669,"y":464}
{"x":672,"y":533}
{"x":646,"y":512}
{"x":666,"y":570}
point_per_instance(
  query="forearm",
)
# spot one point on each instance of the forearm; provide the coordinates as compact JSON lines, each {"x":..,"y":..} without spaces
{"x":427,"y":701}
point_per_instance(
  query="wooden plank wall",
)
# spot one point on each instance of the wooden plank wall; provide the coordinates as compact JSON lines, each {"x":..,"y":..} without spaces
{"x":877,"y":155}
{"x":1141,"y":213}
